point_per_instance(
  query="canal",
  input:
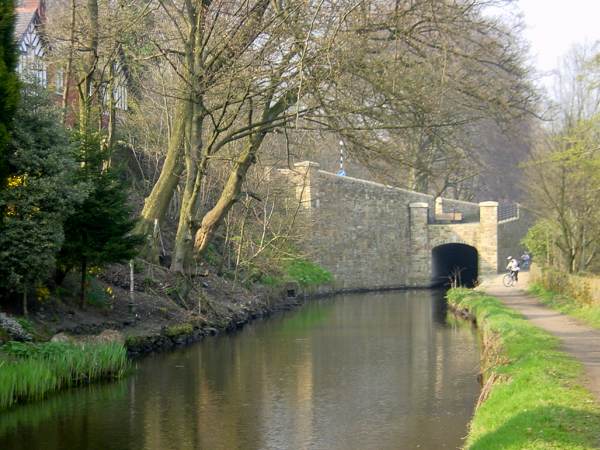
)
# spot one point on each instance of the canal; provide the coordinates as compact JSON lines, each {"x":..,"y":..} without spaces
{"x":365,"y":371}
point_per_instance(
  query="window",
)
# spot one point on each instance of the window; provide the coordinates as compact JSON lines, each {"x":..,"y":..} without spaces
{"x":59,"y":81}
{"x":120,"y":97}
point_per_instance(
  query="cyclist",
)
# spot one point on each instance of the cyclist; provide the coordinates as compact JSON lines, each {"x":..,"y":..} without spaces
{"x":513,"y":266}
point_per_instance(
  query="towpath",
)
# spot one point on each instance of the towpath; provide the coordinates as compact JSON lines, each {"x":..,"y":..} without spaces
{"x":577,"y":339}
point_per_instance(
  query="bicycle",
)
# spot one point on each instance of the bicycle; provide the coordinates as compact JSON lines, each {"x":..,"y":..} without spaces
{"x":509,"y":279}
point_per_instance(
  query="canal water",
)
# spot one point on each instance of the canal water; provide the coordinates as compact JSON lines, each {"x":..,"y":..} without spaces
{"x":366,"y":371}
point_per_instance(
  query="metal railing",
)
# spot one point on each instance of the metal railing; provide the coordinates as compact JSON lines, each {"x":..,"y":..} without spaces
{"x":507,"y":211}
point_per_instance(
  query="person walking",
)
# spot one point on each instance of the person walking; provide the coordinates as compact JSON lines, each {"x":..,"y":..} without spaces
{"x":525,"y":261}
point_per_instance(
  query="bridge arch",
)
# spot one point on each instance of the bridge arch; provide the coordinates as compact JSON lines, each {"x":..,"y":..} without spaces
{"x":451,"y":259}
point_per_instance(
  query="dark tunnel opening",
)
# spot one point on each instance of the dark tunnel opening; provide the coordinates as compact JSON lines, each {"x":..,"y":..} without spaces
{"x":454,"y":261}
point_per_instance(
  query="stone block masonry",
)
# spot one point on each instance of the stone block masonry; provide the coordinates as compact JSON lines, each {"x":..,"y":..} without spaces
{"x":373,"y":236}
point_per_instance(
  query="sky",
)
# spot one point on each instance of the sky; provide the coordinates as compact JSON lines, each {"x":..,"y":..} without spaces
{"x":554,"y":26}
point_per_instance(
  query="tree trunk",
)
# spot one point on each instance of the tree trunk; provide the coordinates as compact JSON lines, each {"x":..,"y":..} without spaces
{"x":83,"y":282}
{"x":183,"y":237}
{"x":224,"y":248}
{"x":90,"y":63}
{"x":229,"y":195}
{"x":110,"y":131}
{"x":157,"y":203}
{"x":421,"y":182}
{"x":25,"y":310}
{"x":238,"y":258}
{"x":195,"y":160}
{"x":185,"y":229}
{"x":69,"y":69}
{"x":573,"y":261}
{"x":59,"y":276}
{"x":131,"y":288}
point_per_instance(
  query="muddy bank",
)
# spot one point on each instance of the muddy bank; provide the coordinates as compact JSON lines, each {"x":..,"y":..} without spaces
{"x":161,"y":314}
{"x":185,"y":333}
{"x":492,"y":355}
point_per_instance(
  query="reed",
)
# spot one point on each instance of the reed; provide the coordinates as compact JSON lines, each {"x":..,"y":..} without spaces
{"x":32,"y":371}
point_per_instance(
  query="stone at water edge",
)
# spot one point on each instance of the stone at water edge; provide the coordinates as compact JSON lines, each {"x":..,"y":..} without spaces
{"x":14,"y":329}
{"x":62,"y":337}
{"x":109,"y":336}
{"x":104,"y":337}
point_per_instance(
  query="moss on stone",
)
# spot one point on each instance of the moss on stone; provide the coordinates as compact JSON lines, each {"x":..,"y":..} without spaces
{"x":179,"y":330}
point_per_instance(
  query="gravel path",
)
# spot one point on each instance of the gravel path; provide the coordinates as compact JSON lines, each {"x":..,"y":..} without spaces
{"x":581,"y":341}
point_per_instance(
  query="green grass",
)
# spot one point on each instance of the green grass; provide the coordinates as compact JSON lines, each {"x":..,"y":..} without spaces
{"x":537,"y":402}
{"x":307,"y":273}
{"x":271,"y":280}
{"x":589,"y":314}
{"x":32,"y":371}
{"x":304,"y":272}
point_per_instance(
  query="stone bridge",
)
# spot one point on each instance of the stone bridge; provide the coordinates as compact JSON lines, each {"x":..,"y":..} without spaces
{"x":373,"y":236}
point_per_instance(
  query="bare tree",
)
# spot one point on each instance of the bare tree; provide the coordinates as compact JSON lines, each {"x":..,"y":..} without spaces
{"x":89,"y":41}
{"x":419,"y":79}
{"x":564,"y":170}
{"x":244,"y":69}
{"x":403,"y":82}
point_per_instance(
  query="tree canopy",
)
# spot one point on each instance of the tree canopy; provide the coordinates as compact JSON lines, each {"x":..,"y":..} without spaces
{"x":9,"y":85}
{"x":40,"y":192}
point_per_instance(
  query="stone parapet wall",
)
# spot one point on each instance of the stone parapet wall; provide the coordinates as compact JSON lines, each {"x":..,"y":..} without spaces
{"x":374,"y":236}
{"x":419,"y":252}
{"x":347,"y":222}
{"x":360,"y":231}
{"x":487,"y":242}
{"x":469,"y":210}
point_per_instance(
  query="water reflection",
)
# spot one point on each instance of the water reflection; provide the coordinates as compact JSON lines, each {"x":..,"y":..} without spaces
{"x":371,"y":371}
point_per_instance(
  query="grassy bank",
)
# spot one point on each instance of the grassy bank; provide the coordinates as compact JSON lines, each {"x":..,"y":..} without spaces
{"x":32,"y":371}
{"x":531,"y":397}
{"x":588,"y":313}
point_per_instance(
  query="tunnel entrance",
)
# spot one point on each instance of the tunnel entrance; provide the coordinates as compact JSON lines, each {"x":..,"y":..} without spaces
{"x":454,"y":261}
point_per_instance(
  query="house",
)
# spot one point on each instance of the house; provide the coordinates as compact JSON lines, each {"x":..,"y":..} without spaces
{"x":30,"y":41}
{"x":35,"y":58}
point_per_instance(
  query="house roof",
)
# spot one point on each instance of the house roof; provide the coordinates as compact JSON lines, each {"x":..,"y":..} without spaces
{"x":26,"y":11}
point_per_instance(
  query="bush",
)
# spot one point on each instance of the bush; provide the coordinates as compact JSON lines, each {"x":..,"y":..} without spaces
{"x":271,"y":280}
{"x":304,"y":272}
{"x":564,"y":284}
{"x":540,"y":238}
{"x":41,"y":192}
